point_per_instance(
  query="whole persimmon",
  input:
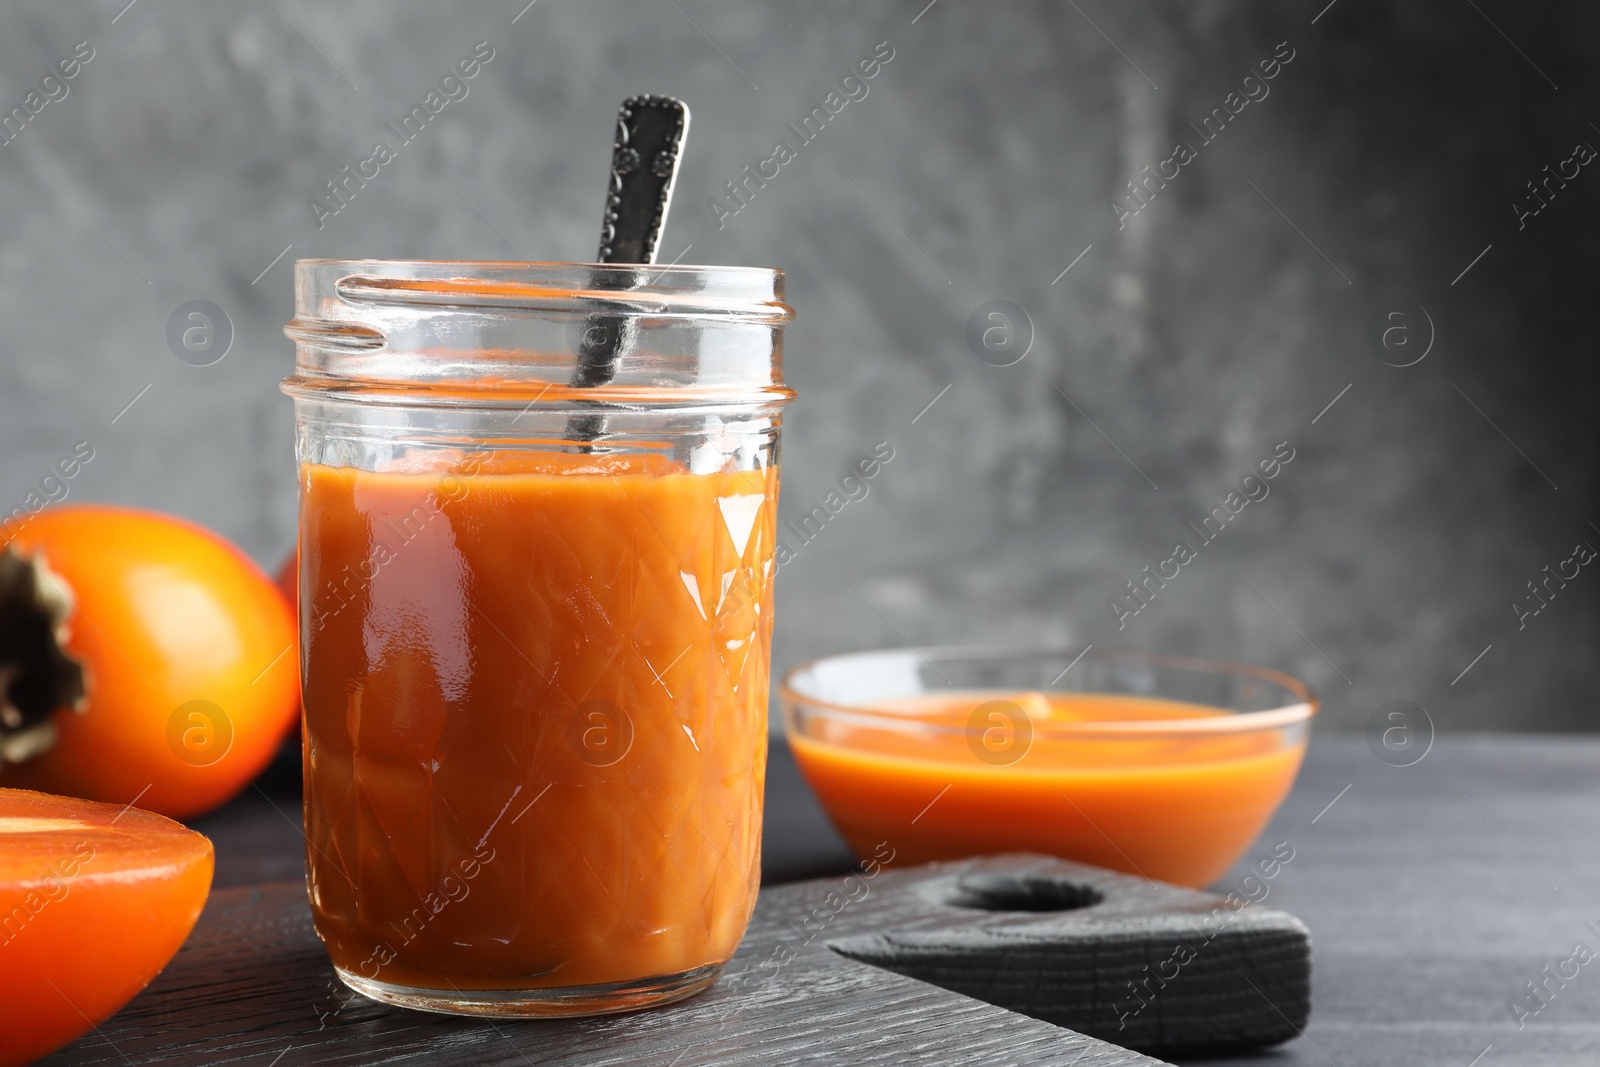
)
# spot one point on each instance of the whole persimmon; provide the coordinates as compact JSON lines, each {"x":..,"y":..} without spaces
{"x":287,"y":580}
{"x":141,"y":658}
{"x":94,"y":900}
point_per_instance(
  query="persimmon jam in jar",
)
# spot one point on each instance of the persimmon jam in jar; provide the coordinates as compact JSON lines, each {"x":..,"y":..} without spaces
{"x":537,"y":522}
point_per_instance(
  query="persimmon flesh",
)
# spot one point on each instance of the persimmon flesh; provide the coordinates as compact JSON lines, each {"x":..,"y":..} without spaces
{"x":94,"y":900}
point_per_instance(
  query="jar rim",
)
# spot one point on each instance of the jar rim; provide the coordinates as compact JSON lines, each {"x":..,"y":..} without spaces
{"x":481,"y":329}
{"x":706,"y":268}
{"x":746,"y":293}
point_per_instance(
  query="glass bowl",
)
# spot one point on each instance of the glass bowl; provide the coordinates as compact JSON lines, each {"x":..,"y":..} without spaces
{"x":1156,"y":765}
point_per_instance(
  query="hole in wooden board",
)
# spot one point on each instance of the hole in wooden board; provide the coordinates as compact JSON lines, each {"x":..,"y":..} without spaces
{"x":1022,"y":892}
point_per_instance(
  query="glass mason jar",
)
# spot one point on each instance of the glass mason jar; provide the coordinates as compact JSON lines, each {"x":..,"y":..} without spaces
{"x":537,"y":520}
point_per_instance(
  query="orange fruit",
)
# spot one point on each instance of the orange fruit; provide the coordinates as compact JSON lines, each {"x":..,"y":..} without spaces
{"x":94,"y":900}
{"x":187,"y":654}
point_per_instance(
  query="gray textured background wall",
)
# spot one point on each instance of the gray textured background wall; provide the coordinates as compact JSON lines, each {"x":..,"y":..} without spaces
{"x":1177,"y":351}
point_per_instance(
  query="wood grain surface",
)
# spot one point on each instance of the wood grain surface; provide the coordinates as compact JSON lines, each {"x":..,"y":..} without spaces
{"x":1140,"y":963}
{"x":253,"y":985}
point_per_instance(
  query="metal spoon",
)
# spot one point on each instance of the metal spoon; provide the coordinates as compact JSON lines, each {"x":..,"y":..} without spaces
{"x":644,"y":168}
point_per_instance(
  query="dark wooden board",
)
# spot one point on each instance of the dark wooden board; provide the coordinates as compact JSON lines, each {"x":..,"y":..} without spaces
{"x":253,"y":984}
{"x":1140,"y":963}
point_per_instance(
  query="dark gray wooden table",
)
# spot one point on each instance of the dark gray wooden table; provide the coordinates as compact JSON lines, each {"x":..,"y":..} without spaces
{"x":1433,"y":893}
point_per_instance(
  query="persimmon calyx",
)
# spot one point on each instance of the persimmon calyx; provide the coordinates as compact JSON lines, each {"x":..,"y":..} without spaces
{"x":37,"y":675}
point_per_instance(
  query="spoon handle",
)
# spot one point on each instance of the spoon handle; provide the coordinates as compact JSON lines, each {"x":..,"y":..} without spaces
{"x":644,"y":166}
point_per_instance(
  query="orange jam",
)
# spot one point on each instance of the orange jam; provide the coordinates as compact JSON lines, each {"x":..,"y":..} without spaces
{"x":1175,"y":807}
{"x":535,"y":709}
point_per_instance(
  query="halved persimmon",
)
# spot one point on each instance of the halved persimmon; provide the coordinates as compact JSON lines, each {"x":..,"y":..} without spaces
{"x":94,"y":900}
